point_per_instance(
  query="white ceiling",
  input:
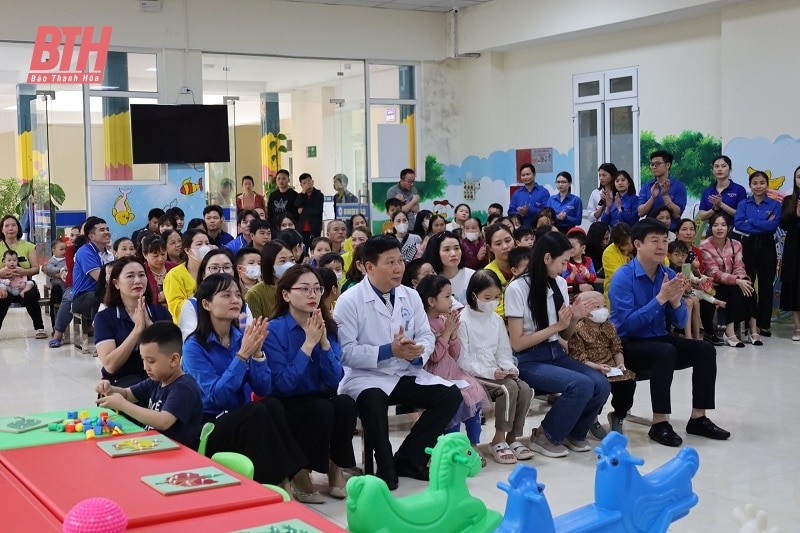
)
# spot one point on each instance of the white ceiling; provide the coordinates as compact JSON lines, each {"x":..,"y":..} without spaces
{"x":441,"y":6}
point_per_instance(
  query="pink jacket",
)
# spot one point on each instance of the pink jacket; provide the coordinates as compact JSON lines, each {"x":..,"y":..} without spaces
{"x":723,"y":268}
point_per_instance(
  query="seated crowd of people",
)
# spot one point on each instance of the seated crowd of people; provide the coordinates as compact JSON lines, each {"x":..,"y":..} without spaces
{"x":280,"y":336}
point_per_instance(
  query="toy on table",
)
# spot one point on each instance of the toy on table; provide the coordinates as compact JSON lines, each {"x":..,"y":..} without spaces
{"x":21,"y":424}
{"x":625,"y":501}
{"x":137,"y":445}
{"x":446,"y":505}
{"x":190,"y":480}
{"x":92,"y":427}
{"x":95,"y":515}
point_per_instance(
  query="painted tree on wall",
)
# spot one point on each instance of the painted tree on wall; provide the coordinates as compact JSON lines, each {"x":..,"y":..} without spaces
{"x":694,"y":153}
{"x":431,"y":189}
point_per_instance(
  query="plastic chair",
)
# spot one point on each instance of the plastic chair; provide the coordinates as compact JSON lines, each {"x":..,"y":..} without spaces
{"x":208,"y":428}
{"x":237,"y":462}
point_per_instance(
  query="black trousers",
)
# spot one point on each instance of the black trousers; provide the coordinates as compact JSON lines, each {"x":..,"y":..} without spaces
{"x":56,"y":295}
{"x":323,"y":424}
{"x":735,"y":308}
{"x":622,"y":397}
{"x":31,"y":302}
{"x":440,"y":403}
{"x":259,"y":431}
{"x":662,"y":356}
{"x":87,"y":305}
{"x":760,"y":261}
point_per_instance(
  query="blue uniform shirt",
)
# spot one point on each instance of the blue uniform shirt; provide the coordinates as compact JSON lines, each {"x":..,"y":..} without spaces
{"x":634,"y":309}
{"x":222,"y":375}
{"x":731,"y":195}
{"x":677,"y":191}
{"x":571,"y":205}
{"x":629,"y":213}
{"x":293,"y":372}
{"x":87,"y":259}
{"x":237,"y":244}
{"x":535,"y":199}
{"x":753,"y":219}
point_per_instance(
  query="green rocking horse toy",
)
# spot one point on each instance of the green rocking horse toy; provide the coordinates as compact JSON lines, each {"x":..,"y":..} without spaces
{"x":445,"y":506}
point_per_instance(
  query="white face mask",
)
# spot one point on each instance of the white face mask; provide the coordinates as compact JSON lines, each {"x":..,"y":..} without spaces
{"x":487,"y":306}
{"x":200,"y":253}
{"x":472,"y":236}
{"x":599,"y":316}
{"x":280,"y":270}
{"x":401,"y":228}
{"x":339,"y":276}
{"x":252,"y":271}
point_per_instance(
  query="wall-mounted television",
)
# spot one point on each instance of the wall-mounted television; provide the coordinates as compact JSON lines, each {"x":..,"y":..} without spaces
{"x":180,"y":133}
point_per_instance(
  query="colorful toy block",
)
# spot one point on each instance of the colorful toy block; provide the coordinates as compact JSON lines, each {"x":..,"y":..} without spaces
{"x":90,"y":434}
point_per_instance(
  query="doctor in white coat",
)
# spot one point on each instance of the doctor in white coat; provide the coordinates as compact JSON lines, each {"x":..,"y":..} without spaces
{"x":386,"y":340}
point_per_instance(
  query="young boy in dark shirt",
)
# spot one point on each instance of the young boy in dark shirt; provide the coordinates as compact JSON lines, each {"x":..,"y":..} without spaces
{"x":174,"y":404}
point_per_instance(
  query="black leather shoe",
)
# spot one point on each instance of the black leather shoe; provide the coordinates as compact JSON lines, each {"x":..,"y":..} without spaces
{"x":409,"y":469}
{"x":663,"y":433}
{"x":389,"y":477}
{"x":766,"y":333}
{"x":704,"y":427}
{"x":713,"y":339}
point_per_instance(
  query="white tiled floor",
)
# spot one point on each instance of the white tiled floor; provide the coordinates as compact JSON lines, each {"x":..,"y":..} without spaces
{"x":757,"y":391}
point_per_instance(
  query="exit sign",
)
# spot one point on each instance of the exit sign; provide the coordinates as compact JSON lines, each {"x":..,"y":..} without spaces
{"x":311,"y":151}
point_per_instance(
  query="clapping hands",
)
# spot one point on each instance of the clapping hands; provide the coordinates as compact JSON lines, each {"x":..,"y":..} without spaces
{"x":404,"y":347}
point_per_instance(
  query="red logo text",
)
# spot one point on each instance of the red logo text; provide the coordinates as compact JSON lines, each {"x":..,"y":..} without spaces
{"x":54,"y":52}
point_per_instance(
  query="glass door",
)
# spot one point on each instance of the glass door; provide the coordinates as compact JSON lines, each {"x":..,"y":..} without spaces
{"x":622,"y":135}
{"x":39,"y":219}
{"x":222,"y":182}
{"x":588,"y":143}
{"x":350,"y":146}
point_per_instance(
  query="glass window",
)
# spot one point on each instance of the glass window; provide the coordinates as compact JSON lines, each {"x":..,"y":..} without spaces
{"x":130,"y":71}
{"x":588,"y":151}
{"x":392,"y":133}
{"x":589,"y":88}
{"x":392,"y":82}
{"x":620,"y":121}
{"x":620,"y":85}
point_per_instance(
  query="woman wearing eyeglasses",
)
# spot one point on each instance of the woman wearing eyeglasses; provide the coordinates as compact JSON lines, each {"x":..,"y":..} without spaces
{"x":306,"y":363}
{"x":219,"y":261}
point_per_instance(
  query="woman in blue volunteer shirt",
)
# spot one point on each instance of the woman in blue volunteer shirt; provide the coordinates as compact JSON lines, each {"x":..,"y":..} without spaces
{"x":117,"y":327}
{"x":227,"y":363}
{"x":756,"y":220}
{"x":568,"y":207}
{"x":306,"y":363}
{"x":624,"y":205}
{"x":723,"y":195}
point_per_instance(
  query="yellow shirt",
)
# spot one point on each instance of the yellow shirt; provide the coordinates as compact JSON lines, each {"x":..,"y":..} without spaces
{"x":261,"y":299}
{"x":347,"y":246}
{"x":501,"y":309}
{"x":179,"y":286}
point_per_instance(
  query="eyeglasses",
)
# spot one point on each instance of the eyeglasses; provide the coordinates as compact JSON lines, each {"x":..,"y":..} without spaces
{"x":214,"y":269}
{"x":656,"y":164}
{"x":305,"y":290}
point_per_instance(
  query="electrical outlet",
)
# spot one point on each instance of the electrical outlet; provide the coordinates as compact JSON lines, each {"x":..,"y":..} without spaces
{"x":186,"y":90}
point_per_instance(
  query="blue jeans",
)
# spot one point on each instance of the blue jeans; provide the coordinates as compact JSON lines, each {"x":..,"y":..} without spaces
{"x":64,"y":316}
{"x":584,"y":391}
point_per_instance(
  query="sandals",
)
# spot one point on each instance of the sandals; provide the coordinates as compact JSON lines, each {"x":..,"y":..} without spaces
{"x":40,"y":334}
{"x":483,"y":458}
{"x":54,"y":343}
{"x":755,"y":339}
{"x":502,"y":454}
{"x":521,"y":452}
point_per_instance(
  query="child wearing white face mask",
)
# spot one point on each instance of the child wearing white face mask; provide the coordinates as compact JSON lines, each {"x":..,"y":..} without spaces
{"x":597,"y":344}
{"x":486,"y":355}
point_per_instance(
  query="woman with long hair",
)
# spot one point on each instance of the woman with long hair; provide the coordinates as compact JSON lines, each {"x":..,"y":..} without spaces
{"x":129,"y":309}
{"x":356,"y":221}
{"x":27,"y":266}
{"x":355,"y":272}
{"x":444,"y":254}
{"x":606,"y":176}
{"x":624,"y":204}
{"x":538,"y":315}
{"x":460,"y":215}
{"x":500,"y":241}
{"x":358,"y":237}
{"x":408,"y":241}
{"x":306,"y":363}
{"x":567,"y":207}
{"x":276,"y":258}
{"x":598,"y":237}
{"x":790,"y":260}
{"x":757,"y":218}
{"x":180,"y":282}
{"x":618,"y":253}
{"x":422,"y":223}
{"x":226,"y":362}
{"x":172,"y":238}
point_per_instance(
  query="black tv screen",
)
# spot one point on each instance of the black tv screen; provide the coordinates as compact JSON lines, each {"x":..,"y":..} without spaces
{"x":180,"y":133}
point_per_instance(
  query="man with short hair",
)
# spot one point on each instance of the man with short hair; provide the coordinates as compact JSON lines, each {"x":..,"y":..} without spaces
{"x":261,"y":233}
{"x":386,"y":340}
{"x":663,"y":190}
{"x":152,"y":225}
{"x":528,"y":200}
{"x":337,"y":233}
{"x":342,"y":196}
{"x":309,"y":204}
{"x":249,"y":199}
{"x":644,"y":295}
{"x":244,"y":238}
{"x":282,"y":200}
{"x":495,"y":209}
{"x":405,"y":191}
{"x":89,"y":259}
{"x":214,"y":219}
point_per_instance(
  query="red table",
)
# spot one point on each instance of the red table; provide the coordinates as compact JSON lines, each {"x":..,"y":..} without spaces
{"x":61,"y":475}
{"x":246,"y":518}
{"x":23,"y":512}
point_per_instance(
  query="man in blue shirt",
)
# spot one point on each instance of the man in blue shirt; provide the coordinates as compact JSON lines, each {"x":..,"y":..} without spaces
{"x":663,"y":190}
{"x":244,"y":238}
{"x":215,"y":221}
{"x":528,"y":200}
{"x":644,"y":294}
{"x":89,"y":259}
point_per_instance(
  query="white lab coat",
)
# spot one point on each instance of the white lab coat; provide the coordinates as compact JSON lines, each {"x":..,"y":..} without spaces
{"x":365,"y":325}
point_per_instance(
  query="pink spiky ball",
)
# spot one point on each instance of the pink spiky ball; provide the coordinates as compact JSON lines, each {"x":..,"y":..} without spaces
{"x":95,"y":515}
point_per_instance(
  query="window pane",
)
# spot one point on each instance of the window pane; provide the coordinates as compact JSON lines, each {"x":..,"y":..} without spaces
{"x":112,"y":156}
{"x":392,"y":134}
{"x":589,"y":88}
{"x":391,"y":81}
{"x":621,"y":126}
{"x":128,"y":71}
{"x":588,"y":151}
{"x":620,"y":85}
